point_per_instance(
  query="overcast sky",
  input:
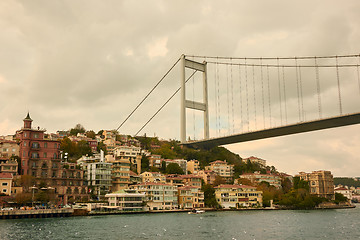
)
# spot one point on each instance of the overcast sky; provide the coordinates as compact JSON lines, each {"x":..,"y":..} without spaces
{"x":91,"y":62}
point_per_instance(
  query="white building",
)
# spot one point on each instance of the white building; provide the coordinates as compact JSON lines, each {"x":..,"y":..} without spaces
{"x":159,"y":196}
{"x":126,"y":200}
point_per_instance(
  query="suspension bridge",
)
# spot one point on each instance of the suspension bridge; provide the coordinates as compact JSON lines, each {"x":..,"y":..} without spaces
{"x":225,"y":100}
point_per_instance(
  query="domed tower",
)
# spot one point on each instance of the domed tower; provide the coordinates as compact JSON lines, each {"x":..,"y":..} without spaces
{"x":27,"y":121}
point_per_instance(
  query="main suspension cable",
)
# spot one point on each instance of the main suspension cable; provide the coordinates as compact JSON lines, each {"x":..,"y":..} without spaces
{"x":157,"y":84}
{"x":164,"y":104}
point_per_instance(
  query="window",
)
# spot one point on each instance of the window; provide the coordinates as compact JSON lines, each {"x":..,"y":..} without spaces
{"x":36,"y":135}
{"x":45,"y":155}
{"x":45,"y":145}
{"x":4,"y":184}
{"x":25,"y":134}
{"x":4,"y":190}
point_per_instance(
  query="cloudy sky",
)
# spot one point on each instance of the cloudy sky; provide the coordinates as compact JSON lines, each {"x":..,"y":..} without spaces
{"x":91,"y":62}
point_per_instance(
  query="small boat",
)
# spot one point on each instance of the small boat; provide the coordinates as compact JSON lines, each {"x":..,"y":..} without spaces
{"x":195,"y":211}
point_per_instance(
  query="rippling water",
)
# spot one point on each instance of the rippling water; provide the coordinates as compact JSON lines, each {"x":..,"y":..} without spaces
{"x":316,"y":224}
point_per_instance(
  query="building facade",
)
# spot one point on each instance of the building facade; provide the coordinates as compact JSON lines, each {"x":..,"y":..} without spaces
{"x":159,"y":196}
{"x":193,"y":166}
{"x":126,"y":200}
{"x":321,"y":183}
{"x":238,"y":196}
{"x":223,"y":169}
{"x":257,"y":178}
{"x":255,"y":160}
{"x":6,"y":183}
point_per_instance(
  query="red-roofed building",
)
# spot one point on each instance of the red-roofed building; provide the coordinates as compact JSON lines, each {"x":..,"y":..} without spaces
{"x":190,"y":197}
{"x":223,"y":169}
{"x":208,"y":176}
{"x":344,"y":191}
{"x":238,"y":196}
{"x":257,"y":178}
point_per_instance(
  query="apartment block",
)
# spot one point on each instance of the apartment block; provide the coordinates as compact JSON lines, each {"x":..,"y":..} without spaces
{"x":321,"y":183}
{"x":238,"y":196}
{"x":223,"y":169}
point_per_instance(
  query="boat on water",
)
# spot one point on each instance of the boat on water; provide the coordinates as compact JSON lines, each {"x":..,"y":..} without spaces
{"x":196,"y":211}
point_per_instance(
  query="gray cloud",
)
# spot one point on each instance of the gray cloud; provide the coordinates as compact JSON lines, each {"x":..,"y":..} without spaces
{"x":91,"y":62}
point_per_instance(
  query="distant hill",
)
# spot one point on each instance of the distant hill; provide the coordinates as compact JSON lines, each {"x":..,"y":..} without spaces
{"x":350,"y":182}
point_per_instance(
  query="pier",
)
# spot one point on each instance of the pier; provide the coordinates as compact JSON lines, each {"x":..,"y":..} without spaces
{"x":40,"y":213}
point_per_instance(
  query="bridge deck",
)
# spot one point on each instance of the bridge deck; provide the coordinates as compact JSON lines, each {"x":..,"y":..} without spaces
{"x":301,"y":127}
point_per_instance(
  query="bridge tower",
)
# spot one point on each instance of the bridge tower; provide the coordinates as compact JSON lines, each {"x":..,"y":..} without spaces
{"x":204,"y":106}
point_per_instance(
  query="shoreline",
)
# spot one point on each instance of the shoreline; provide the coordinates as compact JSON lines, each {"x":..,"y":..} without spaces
{"x":51,"y":213}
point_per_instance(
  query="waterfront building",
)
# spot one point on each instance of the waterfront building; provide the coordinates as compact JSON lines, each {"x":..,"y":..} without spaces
{"x":257,"y":178}
{"x":238,"y":196}
{"x":255,"y":160}
{"x":207,"y":175}
{"x":321,"y":183}
{"x":190,"y":197}
{"x":8,"y":148}
{"x":223,"y":169}
{"x":6,"y":183}
{"x":126,"y":200}
{"x":158,"y":196}
{"x":97,"y":173}
{"x":41,"y":158}
{"x":344,"y":191}
{"x":120,"y":174}
{"x":193,"y":166}
{"x":154,"y":177}
{"x":8,"y":166}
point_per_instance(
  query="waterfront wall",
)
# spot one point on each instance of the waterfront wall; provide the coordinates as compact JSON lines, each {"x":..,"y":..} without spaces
{"x":41,"y":213}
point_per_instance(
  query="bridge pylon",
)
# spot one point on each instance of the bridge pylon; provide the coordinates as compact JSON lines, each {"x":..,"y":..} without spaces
{"x":200,"y":106}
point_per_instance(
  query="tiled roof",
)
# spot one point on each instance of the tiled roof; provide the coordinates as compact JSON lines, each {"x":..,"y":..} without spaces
{"x":6,"y":175}
{"x":233,"y":186}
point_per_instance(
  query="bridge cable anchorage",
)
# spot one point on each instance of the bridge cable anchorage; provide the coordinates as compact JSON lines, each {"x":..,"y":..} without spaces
{"x":227,"y":97}
{"x":163,"y":105}
{"x":280,"y":102}
{"x":269,"y":94}
{"x":318,"y":87}
{"x":338,"y":83}
{"x":241,"y":115}
{"x":297,"y":88}
{"x":147,"y":95}
{"x":284,"y":86}
{"x":247,"y":98}
{"x":232,"y":96}
{"x":254,"y":87}
{"x":262,"y":92}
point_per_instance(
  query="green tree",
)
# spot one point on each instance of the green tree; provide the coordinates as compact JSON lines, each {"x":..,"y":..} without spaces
{"x":101,"y":146}
{"x":91,"y":134}
{"x":174,"y":168}
{"x":83,"y":148}
{"x":144,"y":163}
{"x":209,"y":196}
{"x":77,"y":129}
{"x":218,"y":180}
{"x":340,"y":198}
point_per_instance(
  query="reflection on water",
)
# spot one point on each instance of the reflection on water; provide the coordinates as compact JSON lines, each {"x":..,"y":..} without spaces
{"x":317,"y":224}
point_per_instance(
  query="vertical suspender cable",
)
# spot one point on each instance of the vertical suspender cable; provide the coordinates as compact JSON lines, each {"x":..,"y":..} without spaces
{"x":269,"y":96}
{"x":247,"y":98}
{"x":338,"y":82}
{"x":193,"y":110}
{"x":219,"y":106}
{"x":278,"y":71}
{"x":232,"y":95}
{"x":262,"y":90}
{"x":227,"y":97}
{"x":297,"y":87}
{"x":215,"y":88}
{"x":301,"y":96}
{"x":357,"y":70}
{"x":284,"y":86}
{"x":253,"y":77}
{"x":318,"y":88}
{"x":241,"y":112}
